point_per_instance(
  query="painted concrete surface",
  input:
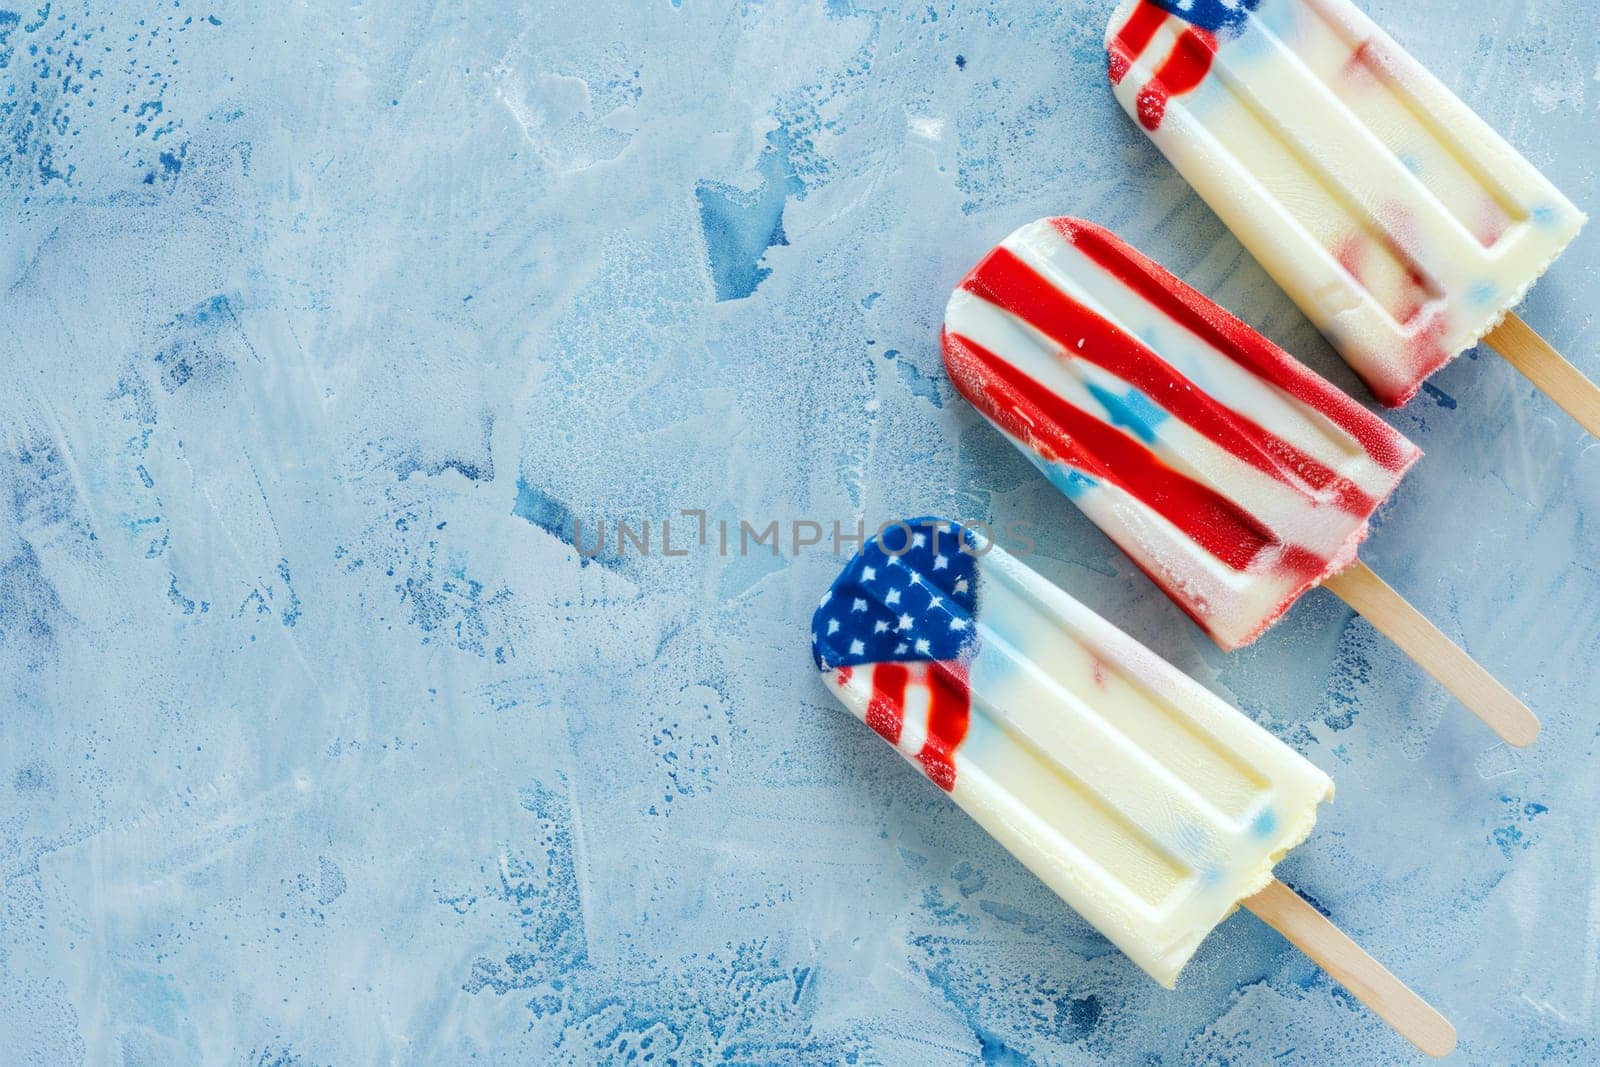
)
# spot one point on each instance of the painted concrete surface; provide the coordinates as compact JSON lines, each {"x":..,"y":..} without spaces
{"x":321,"y":742}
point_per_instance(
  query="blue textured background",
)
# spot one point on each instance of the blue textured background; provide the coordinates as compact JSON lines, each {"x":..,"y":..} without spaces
{"x":316,"y":745}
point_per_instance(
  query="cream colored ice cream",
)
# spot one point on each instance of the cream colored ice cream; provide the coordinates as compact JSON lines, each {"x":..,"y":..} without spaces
{"x":1147,"y":803}
{"x":1402,"y":225}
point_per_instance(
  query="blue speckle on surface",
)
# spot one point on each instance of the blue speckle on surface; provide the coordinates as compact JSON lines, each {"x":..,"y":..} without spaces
{"x":1082,"y":1015}
{"x":35,"y":777}
{"x":1517,"y":832}
{"x":290,"y":612}
{"x":955,"y":984}
{"x":1439,"y":396}
{"x":588,"y":536}
{"x":184,"y":604}
{"x":739,"y":226}
{"x":921,"y":385}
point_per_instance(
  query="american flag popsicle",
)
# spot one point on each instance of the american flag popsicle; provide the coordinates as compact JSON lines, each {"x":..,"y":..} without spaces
{"x":1142,"y":799}
{"x":1402,"y":225}
{"x":1233,"y":475}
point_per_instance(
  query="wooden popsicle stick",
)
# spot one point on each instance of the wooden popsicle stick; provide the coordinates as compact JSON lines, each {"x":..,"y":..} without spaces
{"x":1435,"y":653}
{"x":1305,"y":927}
{"x":1524,"y":349}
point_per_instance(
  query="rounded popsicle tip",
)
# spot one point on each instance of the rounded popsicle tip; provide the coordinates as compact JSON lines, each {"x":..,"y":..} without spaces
{"x":909,"y":594}
{"x":1440,"y":1039}
{"x":1519,"y":728}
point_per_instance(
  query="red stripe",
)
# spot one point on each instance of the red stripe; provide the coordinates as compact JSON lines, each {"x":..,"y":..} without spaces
{"x":887,"y":707}
{"x":1005,"y":280}
{"x":1186,"y":306}
{"x":1182,"y":72}
{"x":949,"y":712}
{"x":1059,"y":431}
{"x":1131,"y":41}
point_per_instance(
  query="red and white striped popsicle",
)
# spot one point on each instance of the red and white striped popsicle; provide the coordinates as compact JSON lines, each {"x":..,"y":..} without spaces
{"x":1229,"y":472}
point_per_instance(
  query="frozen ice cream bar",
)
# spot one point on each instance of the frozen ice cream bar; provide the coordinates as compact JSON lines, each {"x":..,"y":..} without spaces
{"x":1232,"y":474}
{"x":1402,"y":225}
{"x":1141,"y":798}
{"x":1146,"y":802}
{"x":1229,"y":472}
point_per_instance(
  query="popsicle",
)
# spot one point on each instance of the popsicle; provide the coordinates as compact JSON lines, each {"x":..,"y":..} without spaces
{"x":1152,"y":807}
{"x":1229,"y":472}
{"x":1404,"y":227}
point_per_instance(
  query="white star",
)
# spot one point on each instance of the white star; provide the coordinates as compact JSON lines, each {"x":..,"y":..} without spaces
{"x":880,"y":627}
{"x":916,"y":579}
{"x":868,"y":573}
{"x":833,"y":627}
{"x":940,"y":562}
{"x":918,"y":540}
{"x":961,"y":585}
{"x":922,"y":647}
{"x":859,"y":605}
{"x":901,"y":649}
{"x":856,"y":648}
{"x":958,"y":624}
{"x":905,"y":622}
{"x":893,"y":598}
{"x":935,"y":601}
{"x":825,"y":598}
